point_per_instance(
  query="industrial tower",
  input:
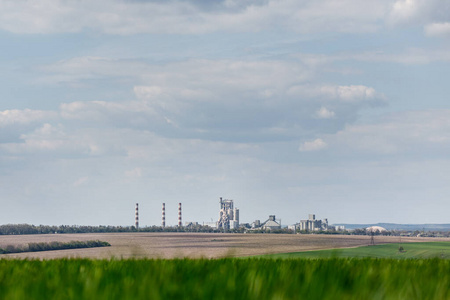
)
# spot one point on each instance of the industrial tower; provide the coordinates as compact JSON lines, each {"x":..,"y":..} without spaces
{"x":136,"y":219}
{"x":228,"y":215}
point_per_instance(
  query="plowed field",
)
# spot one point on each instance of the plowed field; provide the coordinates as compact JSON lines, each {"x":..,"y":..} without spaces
{"x":171,"y":245}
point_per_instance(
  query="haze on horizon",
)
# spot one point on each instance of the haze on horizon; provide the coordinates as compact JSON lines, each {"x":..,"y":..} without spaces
{"x":337,"y":108}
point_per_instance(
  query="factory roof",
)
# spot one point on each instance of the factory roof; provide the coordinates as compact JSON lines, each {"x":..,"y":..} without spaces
{"x":271,"y":224}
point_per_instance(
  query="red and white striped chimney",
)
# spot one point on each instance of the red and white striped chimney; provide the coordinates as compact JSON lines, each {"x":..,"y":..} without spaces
{"x":179,"y":215}
{"x":163,"y":220}
{"x":136,"y":219}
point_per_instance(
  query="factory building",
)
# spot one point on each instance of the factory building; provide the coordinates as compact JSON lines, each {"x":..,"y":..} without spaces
{"x":270,"y":224}
{"x":228,"y":215}
{"x":312,"y":224}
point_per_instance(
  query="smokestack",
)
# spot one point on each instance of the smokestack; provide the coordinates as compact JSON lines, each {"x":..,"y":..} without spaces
{"x":179,"y":214}
{"x":136,"y":224}
{"x":163,"y":221}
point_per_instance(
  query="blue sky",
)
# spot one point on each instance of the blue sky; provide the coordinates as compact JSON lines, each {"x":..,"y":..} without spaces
{"x":338,"y":108}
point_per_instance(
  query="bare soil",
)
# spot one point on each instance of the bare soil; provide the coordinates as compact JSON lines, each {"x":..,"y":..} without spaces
{"x":195,"y":245}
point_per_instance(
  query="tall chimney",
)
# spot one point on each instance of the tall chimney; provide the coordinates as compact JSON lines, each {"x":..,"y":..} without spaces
{"x":136,"y":224}
{"x":163,"y":221}
{"x":179,"y":215}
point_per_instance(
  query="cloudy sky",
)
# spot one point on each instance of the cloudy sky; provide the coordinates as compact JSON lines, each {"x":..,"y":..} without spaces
{"x":338,"y":108}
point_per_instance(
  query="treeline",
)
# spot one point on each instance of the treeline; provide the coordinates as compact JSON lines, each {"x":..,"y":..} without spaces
{"x":416,"y":233}
{"x":35,"y":247}
{"x":17,"y":229}
{"x":14,"y":229}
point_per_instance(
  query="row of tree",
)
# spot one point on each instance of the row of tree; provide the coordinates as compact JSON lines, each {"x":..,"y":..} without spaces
{"x":34,"y":247}
{"x":10,"y":229}
{"x":16,"y":229}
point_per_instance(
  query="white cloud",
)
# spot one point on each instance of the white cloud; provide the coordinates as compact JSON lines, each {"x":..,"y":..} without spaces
{"x":426,"y":132}
{"x":408,"y":56}
{"x":354,"y":93}
{"x":147,"y":92}
{"x":134,"y":173}
{"x":434,"y":15}
{"x":412,"y":56}
{"x":324,"y":113}
{"x":419,"y":11}
{"x":54,"y":140}
{"x":215,"y":99}
{"x":81,"y":181}
{"x":438,"y":29}
{"x":317,"y":144}
{"x":130,"y":112}
{"x":26,"y":116}
{"x":190,"y":17}
{"x":403,"y":10}
{"x":346,"y":94}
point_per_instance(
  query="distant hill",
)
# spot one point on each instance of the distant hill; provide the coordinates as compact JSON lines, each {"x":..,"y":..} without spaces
{"x":393,"y":226}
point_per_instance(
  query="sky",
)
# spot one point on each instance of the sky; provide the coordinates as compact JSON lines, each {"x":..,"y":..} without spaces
{"x":334,"y":107}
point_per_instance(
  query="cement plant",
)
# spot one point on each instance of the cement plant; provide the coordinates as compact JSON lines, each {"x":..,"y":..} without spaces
{"x":228,"y":221}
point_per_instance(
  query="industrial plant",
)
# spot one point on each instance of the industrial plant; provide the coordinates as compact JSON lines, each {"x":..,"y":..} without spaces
{"x":228,"y":215}
{"x":312,"y":224}
{"x":270,"y":224}
{"x":229,"y":221}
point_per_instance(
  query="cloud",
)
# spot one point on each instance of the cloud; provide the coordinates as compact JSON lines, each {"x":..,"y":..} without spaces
{"x":317,"y":144}
{"x":438,"y":29}
{"x":411,"y":56}
{"x":215,"y":99}
{"x":419,"y":11}
{"x":80,"y":181}
{"x":26,"y":116}
{"x":190,"y":17}
{"x":193,"y":17}
{"x":407,"y":56}
{"x":434,"y":15}
{"x":425,"y":133}
{"x":134,"y":173}
{"x":324,"y":113}
{"x":345,"y":94}
{"x":403,"y":10}
{"x":56,"y":141}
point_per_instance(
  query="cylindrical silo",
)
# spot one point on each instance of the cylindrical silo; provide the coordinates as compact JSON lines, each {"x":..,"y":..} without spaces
{"x":236,"y":215}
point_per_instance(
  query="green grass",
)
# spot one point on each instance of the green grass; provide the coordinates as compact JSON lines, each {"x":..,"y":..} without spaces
{"x":335,"y":278}
{"x":412,"y":250}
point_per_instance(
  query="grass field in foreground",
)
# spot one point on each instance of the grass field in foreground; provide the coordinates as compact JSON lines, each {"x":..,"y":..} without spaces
{"x":336,"y":278}
{"x":411,"y":250}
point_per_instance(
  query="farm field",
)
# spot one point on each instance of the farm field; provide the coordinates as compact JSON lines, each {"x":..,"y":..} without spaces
{"x":227,"y":278}
{"x":124,"y":270}
{"x":411,"y":250}
{"x":193,"y":245}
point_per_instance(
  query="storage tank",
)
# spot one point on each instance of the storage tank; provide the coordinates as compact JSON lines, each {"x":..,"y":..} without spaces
{"x":236,"y":215}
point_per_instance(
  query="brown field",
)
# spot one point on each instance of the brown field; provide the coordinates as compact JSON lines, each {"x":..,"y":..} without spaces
{"x":208,"y":245}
